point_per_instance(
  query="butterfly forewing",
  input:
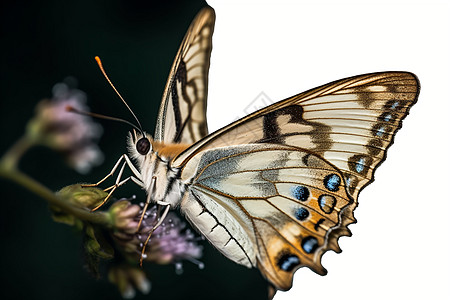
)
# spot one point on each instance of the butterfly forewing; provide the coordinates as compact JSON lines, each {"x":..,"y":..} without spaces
{"x":350,"y":123}
{"x":182,"y":115}
{"x":287,"y":200}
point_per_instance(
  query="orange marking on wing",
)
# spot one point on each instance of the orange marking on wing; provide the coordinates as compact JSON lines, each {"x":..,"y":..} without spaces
{"x":169,"y":150}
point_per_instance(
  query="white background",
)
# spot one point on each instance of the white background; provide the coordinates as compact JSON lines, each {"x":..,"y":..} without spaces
{"x":401,"y":244}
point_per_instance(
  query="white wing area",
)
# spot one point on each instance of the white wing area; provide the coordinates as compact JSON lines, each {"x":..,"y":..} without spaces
{"x":182,"y":115}
{"x":349,"y":123}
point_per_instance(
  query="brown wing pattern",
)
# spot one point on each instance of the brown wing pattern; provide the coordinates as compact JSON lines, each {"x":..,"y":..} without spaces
{"x":291,"y":172}
{"x":182,"y":115}
{"x":293,"y":202}
{"x":349,"y":123}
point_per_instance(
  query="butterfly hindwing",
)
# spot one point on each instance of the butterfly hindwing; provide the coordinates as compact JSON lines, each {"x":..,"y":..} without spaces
{"x":182,"y":115}
{"x":350,"y":123}
{"x":290,"y":203}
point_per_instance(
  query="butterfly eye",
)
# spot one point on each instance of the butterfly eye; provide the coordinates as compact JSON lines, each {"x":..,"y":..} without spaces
{"x":143,"y":146}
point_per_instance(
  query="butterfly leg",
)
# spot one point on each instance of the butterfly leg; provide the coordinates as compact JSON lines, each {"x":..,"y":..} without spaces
{"x":118,"y":179}
{"x":128,"y":162}
{"x":147,"y":202}
{"x":160,"y":221}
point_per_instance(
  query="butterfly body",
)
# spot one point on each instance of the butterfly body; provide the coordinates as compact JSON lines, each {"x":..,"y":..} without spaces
{"x":169,"y":150}
{"x":159,"y":180}
{"x":276,"y":189}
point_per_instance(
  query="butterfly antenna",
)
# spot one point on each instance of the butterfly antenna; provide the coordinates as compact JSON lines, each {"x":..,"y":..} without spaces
{"x":100,"y":65}
{"x":99,"y":116}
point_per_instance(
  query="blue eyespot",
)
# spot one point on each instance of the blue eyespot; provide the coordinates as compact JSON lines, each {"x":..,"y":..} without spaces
{"x":360,"y":165}
{"x":288,"y":262}
{"x":380,"y":131}
{"x":332,"y":182}
{"x":387,"y":117}
{"x":348,"y":181}
{"x":310,"y":244}
{"x":301,"y":213}
{"x":326,"y":203}
{"x":394,"y":105}
{"x":300,"y":192}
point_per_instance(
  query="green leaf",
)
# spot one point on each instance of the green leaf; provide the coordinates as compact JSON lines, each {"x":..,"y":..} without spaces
{"x":96,"y":248}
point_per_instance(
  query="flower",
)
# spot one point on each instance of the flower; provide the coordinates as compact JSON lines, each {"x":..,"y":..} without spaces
{"x":113,"y":236}
{"x":72,"y":134}
{"x":171,"y":242}
{"x":126,"y":277}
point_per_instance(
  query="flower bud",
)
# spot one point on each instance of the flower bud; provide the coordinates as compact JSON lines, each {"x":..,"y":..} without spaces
{"x":80,"y":197}
{"x":127,"y":278}
{"x":88,"y":197}
{"x":123,"y":214}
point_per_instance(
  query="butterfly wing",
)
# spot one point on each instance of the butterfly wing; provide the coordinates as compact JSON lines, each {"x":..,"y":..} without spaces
{"x":277,"y":188}
{"x":350,"y":123}
{"x":269,"y":206}
{"x":182,"y":115}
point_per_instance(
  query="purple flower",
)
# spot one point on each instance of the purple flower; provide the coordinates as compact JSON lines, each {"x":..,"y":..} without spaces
{"x":170,"y":243}
{"x":72,"y":134}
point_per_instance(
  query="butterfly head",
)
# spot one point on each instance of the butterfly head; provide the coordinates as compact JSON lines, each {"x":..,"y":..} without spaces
{"x":140,"y":144}
{"x":143,"y":145}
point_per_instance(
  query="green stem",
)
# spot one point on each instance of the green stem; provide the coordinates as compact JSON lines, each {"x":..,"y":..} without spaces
{"x":11,"y":158}
{"x":9,"y":171}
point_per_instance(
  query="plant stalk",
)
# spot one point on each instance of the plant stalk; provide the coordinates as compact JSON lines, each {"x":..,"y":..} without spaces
{"x":10,"y":172}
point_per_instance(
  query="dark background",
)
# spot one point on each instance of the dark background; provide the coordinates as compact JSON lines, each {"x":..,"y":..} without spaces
{"x":42,"y":43}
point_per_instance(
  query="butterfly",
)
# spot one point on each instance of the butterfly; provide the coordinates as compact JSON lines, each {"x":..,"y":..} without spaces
{"x":276,"y":189}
